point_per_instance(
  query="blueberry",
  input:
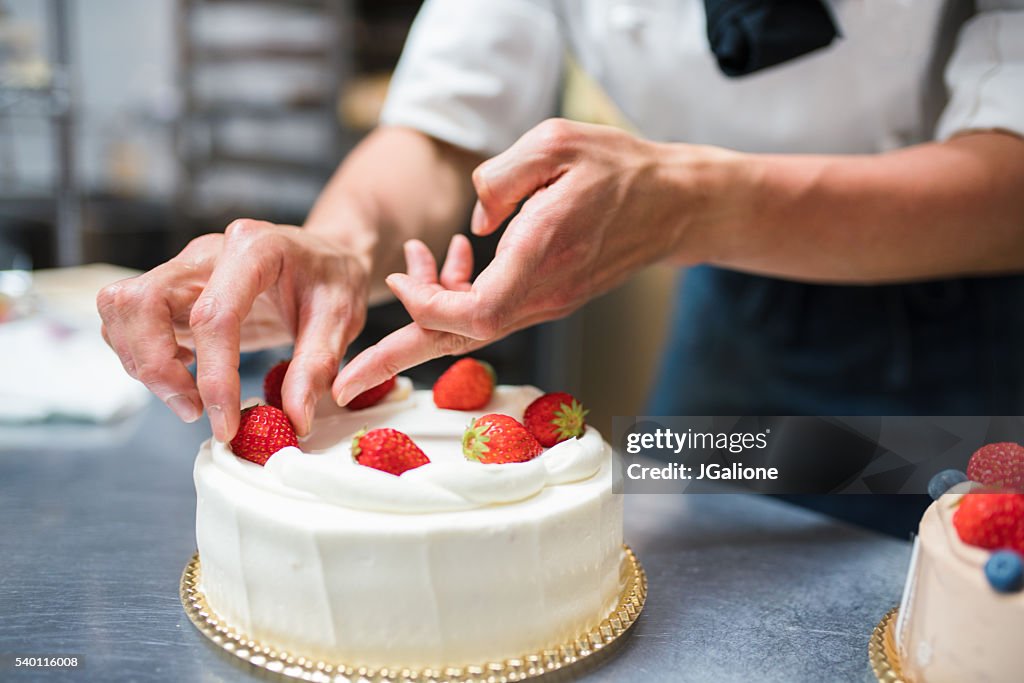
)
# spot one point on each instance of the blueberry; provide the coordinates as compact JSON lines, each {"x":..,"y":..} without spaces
{"x":1005,"y":571}
{"x":944,"y":481}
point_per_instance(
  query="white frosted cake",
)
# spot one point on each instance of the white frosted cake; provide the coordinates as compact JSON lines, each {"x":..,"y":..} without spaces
{"x":953,"y":626}
{"x":451,"y":563}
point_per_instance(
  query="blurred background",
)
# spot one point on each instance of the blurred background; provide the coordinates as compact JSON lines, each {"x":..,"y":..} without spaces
{"x":128,"y":128}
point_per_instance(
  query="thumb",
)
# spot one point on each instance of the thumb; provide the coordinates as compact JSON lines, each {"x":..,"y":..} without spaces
{"x":533,"y":162}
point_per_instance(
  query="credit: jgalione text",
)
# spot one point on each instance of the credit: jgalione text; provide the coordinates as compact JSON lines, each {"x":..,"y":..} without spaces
{"x":736,"y":471}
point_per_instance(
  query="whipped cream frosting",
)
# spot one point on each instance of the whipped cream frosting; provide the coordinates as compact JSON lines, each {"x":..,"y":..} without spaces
{"x":324,"y":471}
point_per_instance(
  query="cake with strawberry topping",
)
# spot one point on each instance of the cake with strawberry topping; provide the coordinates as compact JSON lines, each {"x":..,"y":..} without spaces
{"x":409,"y":534}
{"x":962,"y":613}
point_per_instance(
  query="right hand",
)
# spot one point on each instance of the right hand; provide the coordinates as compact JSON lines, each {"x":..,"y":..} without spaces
{"x":255,"y":286}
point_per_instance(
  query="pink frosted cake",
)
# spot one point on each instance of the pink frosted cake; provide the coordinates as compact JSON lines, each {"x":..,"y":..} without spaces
{"x":962,"y":613}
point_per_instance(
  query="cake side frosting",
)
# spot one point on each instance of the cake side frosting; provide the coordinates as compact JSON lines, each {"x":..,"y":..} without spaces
{"x":451,"y":563}
{"x":957,"y":628}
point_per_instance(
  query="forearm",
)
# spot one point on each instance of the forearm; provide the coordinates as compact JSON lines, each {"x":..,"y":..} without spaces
{"x":395,"y":185}
{"x":934,"y":210}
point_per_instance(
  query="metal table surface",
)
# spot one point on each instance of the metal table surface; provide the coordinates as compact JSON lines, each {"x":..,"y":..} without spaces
{"x":95,"y":536}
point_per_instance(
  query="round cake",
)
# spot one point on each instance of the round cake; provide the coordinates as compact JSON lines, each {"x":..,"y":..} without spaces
{"x":953,"y":626}
{"x":452,"y":563}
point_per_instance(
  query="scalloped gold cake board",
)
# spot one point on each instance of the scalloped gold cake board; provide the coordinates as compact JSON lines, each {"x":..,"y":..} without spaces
{"x":562,"y":659}
{"x":882,"y":651}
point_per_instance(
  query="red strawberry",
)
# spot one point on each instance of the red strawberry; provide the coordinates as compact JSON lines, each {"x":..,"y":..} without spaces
{"x":387,"y":450}
{"x":553,"y":418}
{"x":272,"y":384}
{"x":991,"y":520}
{"x":372,"y":396}
{"x":497,"y":439}
{"x":262,"y":431}
{"x":466,"y":385}
{"x":998,"y":464}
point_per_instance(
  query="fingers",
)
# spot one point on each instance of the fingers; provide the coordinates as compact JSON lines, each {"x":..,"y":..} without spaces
{"x":326,"y":327}
{"x":419,"y":262}
{"x":250,"y":263}
{"x":400,"y":350}
{"x":480,"y":311}
{"x":420,"y":291}
{"x":139,"y":317}
{"x":436,"y":308}
{"x":147,"y":346}
{"x":534,"y":161}
{"x":458,"y":264}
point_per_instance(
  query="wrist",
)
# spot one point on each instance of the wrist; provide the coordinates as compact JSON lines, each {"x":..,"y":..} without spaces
{"x":715,"y":199}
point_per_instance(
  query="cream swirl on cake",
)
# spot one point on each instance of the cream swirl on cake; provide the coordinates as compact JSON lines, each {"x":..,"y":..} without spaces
{"x":325,"y":471}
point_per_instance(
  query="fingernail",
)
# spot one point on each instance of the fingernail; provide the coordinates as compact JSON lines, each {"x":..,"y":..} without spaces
{"x":476,"y":223}
{"x":218,"y":421}
{"x":344,"y":396}
{"x":395,"y":280}
{"x":183,"y":408}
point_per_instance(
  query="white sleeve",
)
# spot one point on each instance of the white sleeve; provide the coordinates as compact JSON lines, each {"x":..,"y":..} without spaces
{"x":478,"y":74}
{"x":985,"y":75}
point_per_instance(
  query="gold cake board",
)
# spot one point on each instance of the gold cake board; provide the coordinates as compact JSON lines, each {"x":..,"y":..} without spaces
{"x":882,"y":651}
{"x":560,"y":661}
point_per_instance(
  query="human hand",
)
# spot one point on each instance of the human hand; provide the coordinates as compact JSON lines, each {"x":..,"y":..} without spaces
{"x":256,"y":285}
{"x":600,"y":205}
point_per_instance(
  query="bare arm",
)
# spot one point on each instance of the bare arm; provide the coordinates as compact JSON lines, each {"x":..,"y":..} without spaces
{"x":396,"y":185}
{"x":934,"y":210}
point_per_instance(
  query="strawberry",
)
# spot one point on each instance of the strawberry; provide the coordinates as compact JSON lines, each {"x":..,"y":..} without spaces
{"x":262,"y":431}
{"x":998,"y":464}
{"x":272,"y":384}
{"x":497,"y":439}
{"x":372,"y":396}
{"x":991,"y":520}
{"x":553,"y":418}
{"x":466,"y":385}
{"x":387,"y":450}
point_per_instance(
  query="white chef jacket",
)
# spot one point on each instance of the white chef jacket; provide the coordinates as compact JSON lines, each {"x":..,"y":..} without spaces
{"x":480,"y":73}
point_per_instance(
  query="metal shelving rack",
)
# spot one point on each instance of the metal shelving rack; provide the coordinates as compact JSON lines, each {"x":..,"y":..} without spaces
{"x":203,"y":120}
{"x":55,"y":101}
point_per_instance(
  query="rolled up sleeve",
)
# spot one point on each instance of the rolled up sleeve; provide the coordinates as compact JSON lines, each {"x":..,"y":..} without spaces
{"x":985,"y":74}
{"x":478,"y":74}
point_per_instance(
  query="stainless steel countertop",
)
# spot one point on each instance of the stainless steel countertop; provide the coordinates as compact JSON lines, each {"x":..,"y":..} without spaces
{"x":95,"y":538}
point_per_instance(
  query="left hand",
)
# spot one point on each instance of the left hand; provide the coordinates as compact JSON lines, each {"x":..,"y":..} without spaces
{"x":600,"y":205}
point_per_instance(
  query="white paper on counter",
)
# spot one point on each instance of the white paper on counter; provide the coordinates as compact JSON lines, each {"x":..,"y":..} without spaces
{"x":51,"y":370}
